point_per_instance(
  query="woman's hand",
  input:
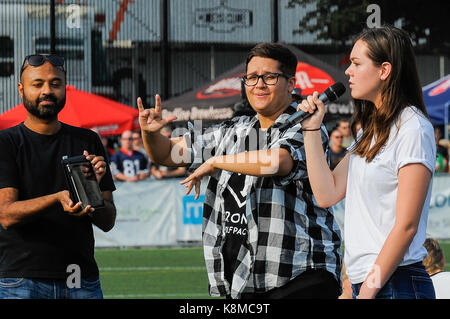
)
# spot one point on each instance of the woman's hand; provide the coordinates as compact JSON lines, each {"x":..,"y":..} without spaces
{"x":312,"y":105}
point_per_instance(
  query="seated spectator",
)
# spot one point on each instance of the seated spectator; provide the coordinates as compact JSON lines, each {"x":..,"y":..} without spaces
{"x":344,"y":127}
{"x":441,"y":154}
{"x":109,"y":150}
{"x":128,"y":164}
{"x":138,"y":145}
{"x":337,"y":152}
{"x":434,"y":264}
{"x":160,"y":171}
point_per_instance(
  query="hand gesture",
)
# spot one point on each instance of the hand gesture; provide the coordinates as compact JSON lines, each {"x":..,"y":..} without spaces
{"x":310,"y":104}
{"x":151,"y":120}
{"x":206,"y":169}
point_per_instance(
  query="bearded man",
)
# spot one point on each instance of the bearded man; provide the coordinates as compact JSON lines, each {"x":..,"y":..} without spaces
{"x":45,"y":237}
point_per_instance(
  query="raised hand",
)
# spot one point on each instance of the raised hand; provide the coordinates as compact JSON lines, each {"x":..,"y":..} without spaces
{"x":309,"y":105}
{"x":151,"y":120}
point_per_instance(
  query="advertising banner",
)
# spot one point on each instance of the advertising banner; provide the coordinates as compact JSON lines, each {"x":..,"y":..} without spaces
{"x":438,"y":216}
{"x":159,"y":213}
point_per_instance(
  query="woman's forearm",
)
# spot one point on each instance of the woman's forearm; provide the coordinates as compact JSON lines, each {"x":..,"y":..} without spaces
{"x":391,"y":255}
{"x":328,"y":187}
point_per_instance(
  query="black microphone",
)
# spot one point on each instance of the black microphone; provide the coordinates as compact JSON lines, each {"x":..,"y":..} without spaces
{"x":331,"y":94}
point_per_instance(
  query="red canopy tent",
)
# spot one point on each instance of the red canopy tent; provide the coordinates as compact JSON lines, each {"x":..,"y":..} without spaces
{"x":86,"y":110}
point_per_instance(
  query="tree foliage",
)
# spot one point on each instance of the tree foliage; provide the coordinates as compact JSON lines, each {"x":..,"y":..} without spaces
{"x":340,"y":20}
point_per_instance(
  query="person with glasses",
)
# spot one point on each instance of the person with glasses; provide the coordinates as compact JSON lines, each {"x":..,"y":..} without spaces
{"x":46,"y":239}
{"x":344,"y":127}
{"x":337,"y":151}
{"x":127,"y":164}
{"x":263,"y":234}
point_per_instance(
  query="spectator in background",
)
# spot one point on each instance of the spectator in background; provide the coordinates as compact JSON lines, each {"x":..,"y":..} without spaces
{"x":128,"y":164}
{"x":137,"y":143}
{"x":108,"y":150}
{"x":441,"y":154}
{"x":344,"y":127}
{"x":434,"y":264}
{"x":337,"y":152}
{"x":160,"y":171}
{"x":138,"y":146}
{"x":355,"y":128}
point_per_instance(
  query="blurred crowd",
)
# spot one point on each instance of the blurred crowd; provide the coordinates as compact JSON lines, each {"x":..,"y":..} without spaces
{"x":129,"y":161}
{"x":442,"y":150}
{"x":341,"y":138}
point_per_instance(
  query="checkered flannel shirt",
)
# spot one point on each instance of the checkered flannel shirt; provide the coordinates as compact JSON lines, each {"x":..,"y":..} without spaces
{"x":288,"y":233}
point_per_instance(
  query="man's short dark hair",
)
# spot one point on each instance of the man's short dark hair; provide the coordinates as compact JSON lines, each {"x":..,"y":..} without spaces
{"x":287,"y":59}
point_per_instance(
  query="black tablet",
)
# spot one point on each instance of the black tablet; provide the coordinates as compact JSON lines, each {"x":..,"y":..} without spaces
{"x":81,"y":181}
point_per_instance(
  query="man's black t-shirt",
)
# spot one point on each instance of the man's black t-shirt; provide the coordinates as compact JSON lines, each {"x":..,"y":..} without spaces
{"x":44,"y":245}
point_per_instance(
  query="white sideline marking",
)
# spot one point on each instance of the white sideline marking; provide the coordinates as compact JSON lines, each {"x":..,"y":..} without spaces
{"x":186,"y":295}
{"x":152,"y":268}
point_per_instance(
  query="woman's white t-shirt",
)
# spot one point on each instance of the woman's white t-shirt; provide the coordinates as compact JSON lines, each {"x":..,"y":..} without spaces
{"x":370,"y":202}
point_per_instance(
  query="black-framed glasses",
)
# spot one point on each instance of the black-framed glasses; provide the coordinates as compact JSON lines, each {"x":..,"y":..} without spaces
{"x":39,"y":59}
{"x":268,"y":78}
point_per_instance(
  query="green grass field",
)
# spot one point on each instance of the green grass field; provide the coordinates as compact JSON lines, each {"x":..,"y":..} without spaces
{"x":161,"y":273}
{"x":153,"y":273}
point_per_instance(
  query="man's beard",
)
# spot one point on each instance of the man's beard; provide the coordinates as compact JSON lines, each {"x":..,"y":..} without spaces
{"x":47,"y":112}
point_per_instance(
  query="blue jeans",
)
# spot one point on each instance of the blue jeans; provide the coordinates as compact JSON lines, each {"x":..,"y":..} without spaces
{"x":407,"y":282}
{"x":23,"y":288}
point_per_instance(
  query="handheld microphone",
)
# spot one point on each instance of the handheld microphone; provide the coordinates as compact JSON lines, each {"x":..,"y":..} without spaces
{"x":331,"y":94}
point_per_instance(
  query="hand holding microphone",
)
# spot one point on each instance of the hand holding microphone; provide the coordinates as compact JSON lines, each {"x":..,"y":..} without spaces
{"x":308,"y":107}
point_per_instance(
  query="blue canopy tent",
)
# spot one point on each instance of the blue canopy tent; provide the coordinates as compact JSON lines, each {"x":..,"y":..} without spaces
{"x":437,"y":100}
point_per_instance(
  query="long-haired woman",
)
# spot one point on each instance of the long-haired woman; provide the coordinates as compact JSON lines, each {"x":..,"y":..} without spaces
{"x":386,"y":176}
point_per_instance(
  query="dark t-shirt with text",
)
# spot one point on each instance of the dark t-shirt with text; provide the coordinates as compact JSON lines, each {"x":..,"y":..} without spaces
{"x":46,"y":244}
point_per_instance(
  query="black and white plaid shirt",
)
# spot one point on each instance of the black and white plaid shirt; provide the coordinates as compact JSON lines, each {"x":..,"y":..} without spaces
{"x":288,"y":232}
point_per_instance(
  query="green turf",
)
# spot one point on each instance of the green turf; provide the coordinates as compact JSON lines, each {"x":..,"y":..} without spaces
{"x":446,"y":248}
{"x":162,"y":272}
{"x":153,"y":273}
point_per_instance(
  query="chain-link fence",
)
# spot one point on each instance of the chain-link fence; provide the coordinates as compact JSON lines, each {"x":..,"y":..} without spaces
{"x":128,"y":48}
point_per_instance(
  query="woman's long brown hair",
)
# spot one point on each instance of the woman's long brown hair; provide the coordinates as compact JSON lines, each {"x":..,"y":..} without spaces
{"x":400,"y":90}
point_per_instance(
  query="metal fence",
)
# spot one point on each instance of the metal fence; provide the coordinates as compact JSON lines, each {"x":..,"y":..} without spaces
{"x":128,"y":48}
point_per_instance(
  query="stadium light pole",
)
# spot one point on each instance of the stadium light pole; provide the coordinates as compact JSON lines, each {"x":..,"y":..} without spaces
{"x":275,"y":21}
{"x":52,"y":27}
